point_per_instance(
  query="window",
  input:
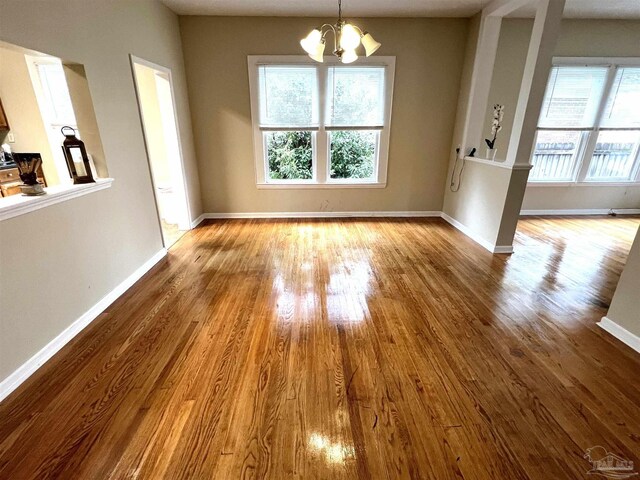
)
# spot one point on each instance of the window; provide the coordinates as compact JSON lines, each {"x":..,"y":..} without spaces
{"x":320,"y":125}
{"x":54,"y":101}
{"x":589,"y":125}
{"x":56,"y":95}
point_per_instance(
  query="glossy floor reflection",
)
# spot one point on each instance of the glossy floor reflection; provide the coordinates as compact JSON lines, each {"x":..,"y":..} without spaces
{"x":343,"y":349}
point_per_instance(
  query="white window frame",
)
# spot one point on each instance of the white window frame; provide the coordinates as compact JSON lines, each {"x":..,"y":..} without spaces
{"x":52,"y":125}
{"x":320,"y":136}
{"x":590,"y":135}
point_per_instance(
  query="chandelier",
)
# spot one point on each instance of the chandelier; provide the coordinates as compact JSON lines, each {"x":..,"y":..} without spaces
{"x":346,"y":39}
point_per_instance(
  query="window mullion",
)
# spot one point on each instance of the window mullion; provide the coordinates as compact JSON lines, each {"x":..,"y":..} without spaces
{"x":321,"y":152}
{"x":635,"y":171}
{"x":585,"y":154}
{"x":606,"y":91}
{"x":592,"y":139}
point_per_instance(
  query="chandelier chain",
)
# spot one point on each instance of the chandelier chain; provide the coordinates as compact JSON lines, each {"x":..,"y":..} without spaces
{"x":346,"y":39}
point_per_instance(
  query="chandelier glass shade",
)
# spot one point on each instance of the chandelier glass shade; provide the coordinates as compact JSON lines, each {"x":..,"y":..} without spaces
{"x":346,"y":39}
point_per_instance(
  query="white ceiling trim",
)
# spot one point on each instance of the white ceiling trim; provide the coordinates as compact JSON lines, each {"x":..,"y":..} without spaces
{"x":606,"y":9}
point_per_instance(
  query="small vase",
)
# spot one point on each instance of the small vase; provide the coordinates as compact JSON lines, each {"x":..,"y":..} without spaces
{"x":491,"y":153}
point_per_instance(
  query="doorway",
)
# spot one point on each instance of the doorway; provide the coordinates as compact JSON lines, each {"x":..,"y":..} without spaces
{"x":157,"y":112}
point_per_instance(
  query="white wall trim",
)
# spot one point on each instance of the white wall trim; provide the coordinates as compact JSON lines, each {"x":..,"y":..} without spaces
{"x":426,"y":213}
{"x":316,"y":186}
{"x":23,"y":372}
{"x":183,"y":187}
{"x":198,"y":220}
{"x":475,"y":237}
{"x":582,"y":211}
{"x":604,"y":61}
{"x":16,"y":205}
{"x":498,"y":163}
{"x":536,"y":184}
{"x":491,"y":163}
{"x":621,"y":333}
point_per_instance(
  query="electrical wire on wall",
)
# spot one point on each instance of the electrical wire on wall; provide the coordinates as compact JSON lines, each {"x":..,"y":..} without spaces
{"x":453,"y":185}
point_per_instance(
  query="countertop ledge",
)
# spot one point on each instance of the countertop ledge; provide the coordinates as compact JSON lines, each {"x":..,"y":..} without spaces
{"x":16,"y":205}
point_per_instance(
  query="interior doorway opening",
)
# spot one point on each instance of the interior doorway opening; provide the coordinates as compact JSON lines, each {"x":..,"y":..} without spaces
{"x":157,"y":112}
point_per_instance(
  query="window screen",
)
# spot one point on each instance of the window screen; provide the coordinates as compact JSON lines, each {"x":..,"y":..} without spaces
{"x":288,"y":96}
{"x":56,"y":93}
{"x":623,"y":104}
{"x":572,"y":97}
{"x":355,"y":97}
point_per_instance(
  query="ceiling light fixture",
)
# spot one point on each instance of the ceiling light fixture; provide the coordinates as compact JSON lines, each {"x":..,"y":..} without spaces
{"x":346,"y":39}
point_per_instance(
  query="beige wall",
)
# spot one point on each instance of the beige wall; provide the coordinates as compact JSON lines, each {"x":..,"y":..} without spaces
{"x":429,"y":54}
{"x":156,"y":146}
{"x":625,"y":306}
{"x":86,"y":116}
{"x":79,"y":250}
{"x":21,"y":106}
{"x":578,"y":38}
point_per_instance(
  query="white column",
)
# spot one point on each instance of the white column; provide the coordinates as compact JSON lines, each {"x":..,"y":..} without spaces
{"x":546,"y":29}
{"x":483,"y":64}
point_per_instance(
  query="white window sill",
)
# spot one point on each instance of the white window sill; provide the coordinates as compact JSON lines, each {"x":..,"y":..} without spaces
{"x":16,"y":205}
{"x":303,"y":186}
{"x":498,"y":163}
{"x":583,"y":184}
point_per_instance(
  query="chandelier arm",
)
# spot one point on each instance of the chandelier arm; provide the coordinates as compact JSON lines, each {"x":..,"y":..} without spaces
{"x":331,"y":27}
{"x":335,"y":34}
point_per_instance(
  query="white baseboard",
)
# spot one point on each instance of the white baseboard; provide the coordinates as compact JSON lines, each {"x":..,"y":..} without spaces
{"x":320,"y":214}
{"x":621,"y":333}
{"x":582,"y":211}
{"x":477,"y":238}
{"x":379,"y":214}
{"x":23,"y":372}
{"x":198,"y":221}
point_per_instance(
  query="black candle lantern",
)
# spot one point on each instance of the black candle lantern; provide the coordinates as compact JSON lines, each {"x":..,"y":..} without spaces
{"x":76,"y":156}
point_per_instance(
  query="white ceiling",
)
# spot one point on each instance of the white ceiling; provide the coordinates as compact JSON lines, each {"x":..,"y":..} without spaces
{"x":388,"y":8}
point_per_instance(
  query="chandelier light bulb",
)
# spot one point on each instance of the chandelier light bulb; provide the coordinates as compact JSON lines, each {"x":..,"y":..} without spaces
{"x":310,"y":42}
{"x":349,"y":56}
{"x":349,"y":38}
{"x":369,"y":44}
{"x":318,"y":55}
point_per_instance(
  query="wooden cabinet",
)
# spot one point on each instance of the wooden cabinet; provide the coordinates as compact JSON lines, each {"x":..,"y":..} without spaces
{"x":9,"y":175}
{"x":4,"y":123}
{"x":10,"y":181}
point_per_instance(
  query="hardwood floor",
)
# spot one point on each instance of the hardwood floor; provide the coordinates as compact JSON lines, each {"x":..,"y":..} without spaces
{"x":343,"y":349}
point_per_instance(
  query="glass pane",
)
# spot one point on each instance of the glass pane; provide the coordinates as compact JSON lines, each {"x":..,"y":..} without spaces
{"x":353,"y":154}
{"x":572,"y":97}
{"x":56,"y":92}
{"x":356,"y":97}
{"x":289,"y":155}
{"x":554,"y":156}
{"x":288,"y":96}
{"x":614,"y":155}
{"x":623,"y":104}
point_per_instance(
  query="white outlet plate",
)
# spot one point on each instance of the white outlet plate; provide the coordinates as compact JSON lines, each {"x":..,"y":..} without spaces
{"x":11,"y":138}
